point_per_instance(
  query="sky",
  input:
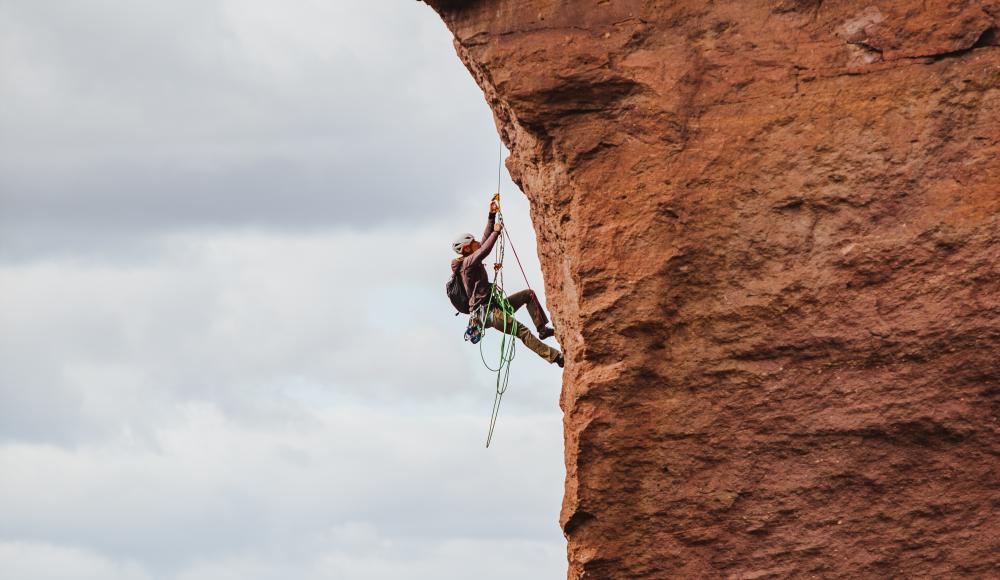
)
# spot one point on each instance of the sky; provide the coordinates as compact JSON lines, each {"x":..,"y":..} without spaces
{"x":225,"y":347}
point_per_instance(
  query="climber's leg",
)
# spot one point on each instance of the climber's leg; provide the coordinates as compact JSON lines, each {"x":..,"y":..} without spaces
{"x":524,"y":335}
{"x":535,"y":310}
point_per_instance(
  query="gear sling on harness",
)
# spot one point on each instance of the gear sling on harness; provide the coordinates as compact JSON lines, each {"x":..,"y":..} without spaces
{"x":483,"y":316}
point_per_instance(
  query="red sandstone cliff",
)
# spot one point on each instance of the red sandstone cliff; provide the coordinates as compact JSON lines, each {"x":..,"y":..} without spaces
{"x":769,"y":233}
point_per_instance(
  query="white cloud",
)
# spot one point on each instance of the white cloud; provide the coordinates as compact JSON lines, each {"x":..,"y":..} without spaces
{"x":37,"y":561}
{"x":230,"y":317}
{"x":250,"y":388}
{"x":453,"y":560}
{"x":351,"y":486}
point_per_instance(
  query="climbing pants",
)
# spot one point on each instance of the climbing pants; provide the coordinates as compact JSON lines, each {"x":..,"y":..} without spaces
{"x":517,"y":300}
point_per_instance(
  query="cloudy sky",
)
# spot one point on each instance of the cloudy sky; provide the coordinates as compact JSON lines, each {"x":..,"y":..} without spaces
{"x":225,"y":351}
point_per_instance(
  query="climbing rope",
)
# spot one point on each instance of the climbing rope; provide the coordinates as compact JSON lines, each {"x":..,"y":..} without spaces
{"x":507,"y":351}
{"x":498,"y":305}
{"x":498,"y":301}
{"x":505,"y":233}
{"x":518,"y":258}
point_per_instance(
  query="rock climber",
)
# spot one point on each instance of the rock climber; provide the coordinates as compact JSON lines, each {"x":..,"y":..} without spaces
{"x":469,"y":272}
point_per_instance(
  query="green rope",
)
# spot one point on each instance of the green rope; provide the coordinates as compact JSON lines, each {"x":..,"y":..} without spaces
{"x":498,"y":298}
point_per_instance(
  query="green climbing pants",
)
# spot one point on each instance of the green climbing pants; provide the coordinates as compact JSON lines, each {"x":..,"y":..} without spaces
{"x":517,"y":300}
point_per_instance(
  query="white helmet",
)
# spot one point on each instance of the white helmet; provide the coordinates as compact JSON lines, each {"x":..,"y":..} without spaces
{"x":462,"y":241}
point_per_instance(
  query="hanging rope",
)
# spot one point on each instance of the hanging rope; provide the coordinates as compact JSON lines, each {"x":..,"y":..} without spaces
{"x":506,"y":355}
{"x":505,"y":233}
{"x":498,"y":303}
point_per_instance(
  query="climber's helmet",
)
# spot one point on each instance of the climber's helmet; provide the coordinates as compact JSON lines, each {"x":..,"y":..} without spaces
{"x":461,"y":242}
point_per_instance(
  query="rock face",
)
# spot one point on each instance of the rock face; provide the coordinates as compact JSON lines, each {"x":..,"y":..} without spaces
{"x":769,"y":234}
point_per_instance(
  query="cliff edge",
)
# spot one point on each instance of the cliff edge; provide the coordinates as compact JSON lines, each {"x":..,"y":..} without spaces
{"x":769,"y":235}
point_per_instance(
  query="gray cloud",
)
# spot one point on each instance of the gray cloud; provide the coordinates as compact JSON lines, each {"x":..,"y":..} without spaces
{"x":142,"y":118}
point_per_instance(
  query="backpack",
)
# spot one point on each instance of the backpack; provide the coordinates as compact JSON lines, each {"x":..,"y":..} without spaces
{"x":456,"y":292}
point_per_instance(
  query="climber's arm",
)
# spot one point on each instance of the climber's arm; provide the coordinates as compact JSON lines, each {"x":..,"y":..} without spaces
{"x":489,"y":227}
{"x":479,"y":255}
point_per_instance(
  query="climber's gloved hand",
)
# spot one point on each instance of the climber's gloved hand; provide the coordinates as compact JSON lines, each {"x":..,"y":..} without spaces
{"x":494,"y":207}
{"x":498,"y":227}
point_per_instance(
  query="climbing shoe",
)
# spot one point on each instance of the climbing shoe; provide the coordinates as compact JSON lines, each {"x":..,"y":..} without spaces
{"x":560,"y":361}
{"x":545,"y":332}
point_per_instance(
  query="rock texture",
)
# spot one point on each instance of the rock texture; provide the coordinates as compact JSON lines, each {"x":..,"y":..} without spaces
{"x":769,"y":234}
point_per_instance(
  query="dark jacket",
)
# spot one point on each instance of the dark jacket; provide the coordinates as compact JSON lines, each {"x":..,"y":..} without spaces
{"x":473,"y":272}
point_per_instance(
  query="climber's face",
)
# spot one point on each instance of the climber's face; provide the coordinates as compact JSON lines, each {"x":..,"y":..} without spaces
{"x":472,"y":247}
